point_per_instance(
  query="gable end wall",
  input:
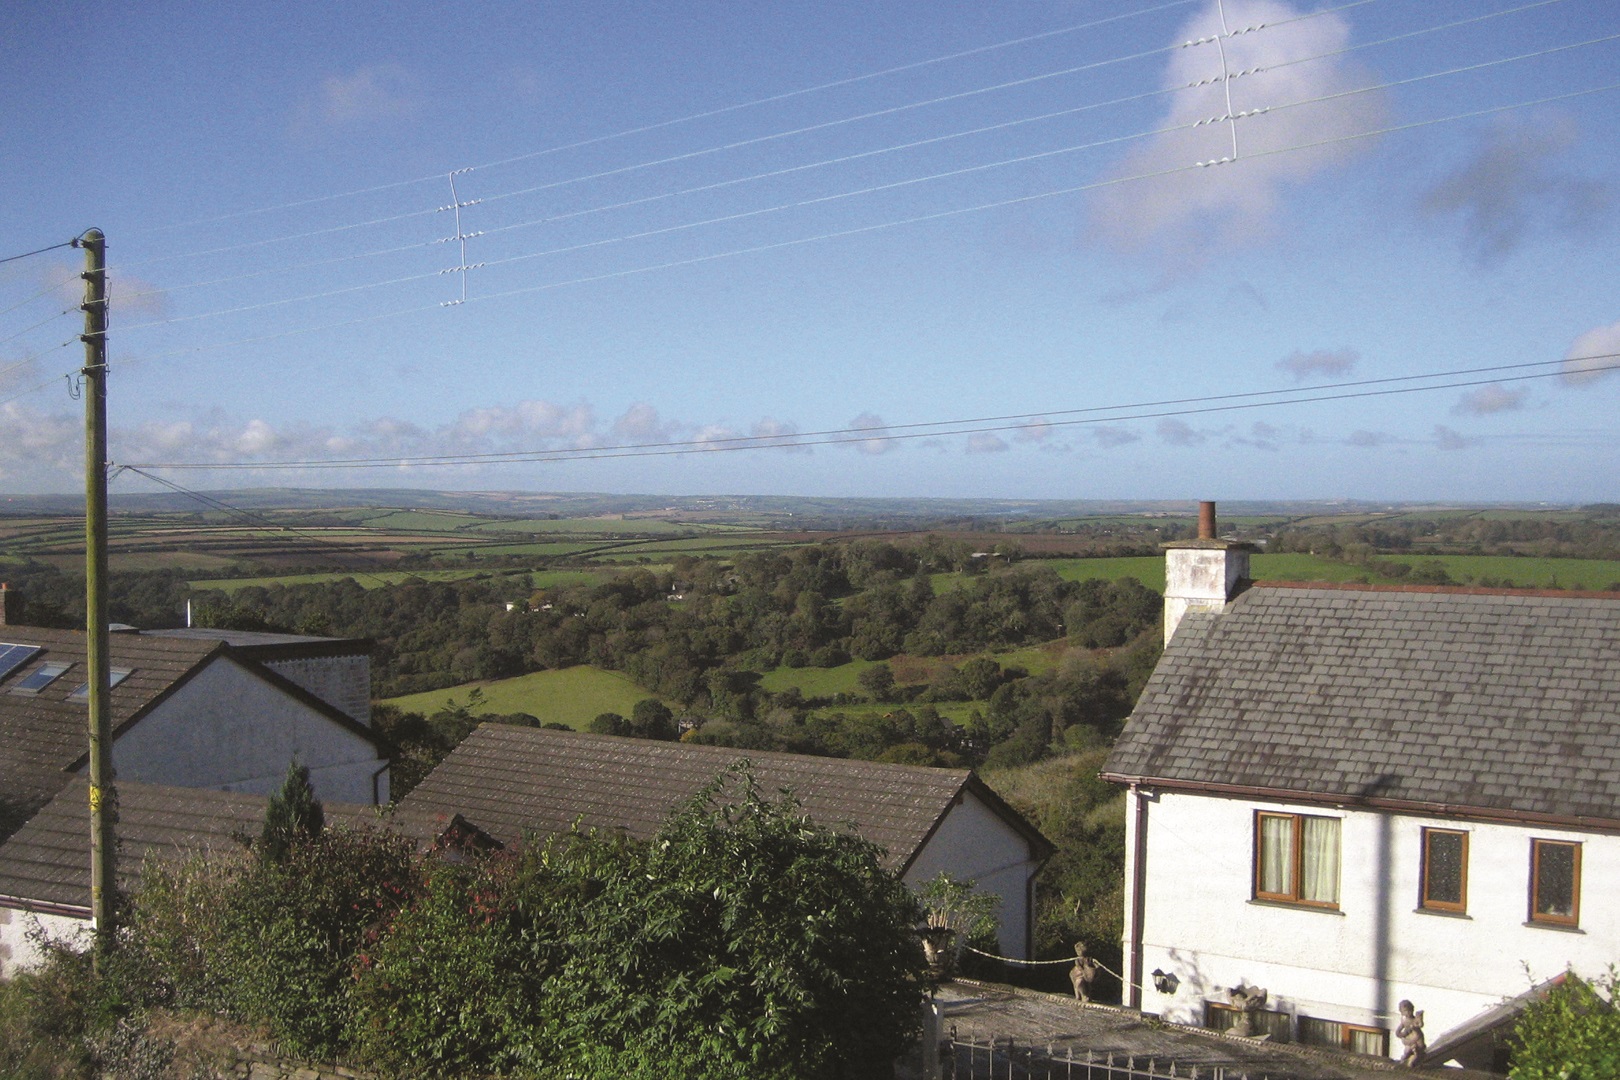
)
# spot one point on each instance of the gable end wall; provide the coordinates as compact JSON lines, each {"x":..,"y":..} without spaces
{"x":228,"y":729}
{"x":973,"y":841}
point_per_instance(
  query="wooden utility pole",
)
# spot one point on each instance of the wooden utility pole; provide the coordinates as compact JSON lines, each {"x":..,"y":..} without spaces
{"x":103,"y":799}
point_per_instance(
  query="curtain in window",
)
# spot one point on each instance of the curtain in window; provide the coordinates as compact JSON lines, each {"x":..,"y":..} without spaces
{"x":1367,"y":1042}
{"x":1277,"y":855}
{"x":1319,"y":861}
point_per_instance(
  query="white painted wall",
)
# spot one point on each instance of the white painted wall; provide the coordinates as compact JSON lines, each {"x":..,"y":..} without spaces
{"x":975,"y":842}
{"x":20,"y":936}
{"x":229,"y":729}
{"x":1201,"y":578}
{"x":343,"y":681}
{"x":1202,"y":924}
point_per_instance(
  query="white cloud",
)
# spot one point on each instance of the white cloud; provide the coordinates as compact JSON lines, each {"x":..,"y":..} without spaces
{"x":1494,"y":398}
{"x":1592,"y":355}
{"x":1369,"y":438}
{"x":986,"y":442}
{"x":1447,"y":439}
{"x":136,"y":296}
{"x":873,"y":423}
{"x":1513,"y":186}
{"x":1114,"y":436}
{"x":1188,"y":212}
{"x":1320,"y":362}
{"x":1179,"y":433}
{"x":374,"y":92}
{"x":1037,"y":430}
{"x":40,"y":451}
{"x":781,"y":434}
{"x":641,"y":423}
{"x":714,"y":437}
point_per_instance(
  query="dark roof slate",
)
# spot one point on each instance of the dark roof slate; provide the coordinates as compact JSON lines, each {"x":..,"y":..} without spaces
{"x":1503,"y":703}
{"x":261,"y":645}
{"x":47,"y":862}
{"x":43,"y":734}
{"x":509,"y":780}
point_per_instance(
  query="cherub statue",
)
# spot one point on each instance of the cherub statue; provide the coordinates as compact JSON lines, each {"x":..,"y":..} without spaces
{"x":1083,"y":973}
{"x":1249,"y":1000}
{"x":1410,"y":1032}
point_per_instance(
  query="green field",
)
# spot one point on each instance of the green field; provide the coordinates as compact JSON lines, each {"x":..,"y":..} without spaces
{"x":422,"y":520}
{"x":1524,"y":572}
{"x":615,"y":526}
{"x":574,"y":696}
{"x":816,"y":682}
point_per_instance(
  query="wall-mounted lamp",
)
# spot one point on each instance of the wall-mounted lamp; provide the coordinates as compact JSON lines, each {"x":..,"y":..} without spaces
{"x":1165,"y":982}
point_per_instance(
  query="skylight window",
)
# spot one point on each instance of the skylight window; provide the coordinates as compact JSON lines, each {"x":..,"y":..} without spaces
{"x":14,"y":656}
{"x":40,"y":677}
{"x":115,"y":676}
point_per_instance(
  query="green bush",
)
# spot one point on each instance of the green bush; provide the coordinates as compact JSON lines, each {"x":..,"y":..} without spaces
{"x":752,"y":942}
{"x":44,"y":1018}
{"x":292,"y":931}
{"x":458,"y":985}
{"x":742,"y":941}
{"x":1571,"y":1034}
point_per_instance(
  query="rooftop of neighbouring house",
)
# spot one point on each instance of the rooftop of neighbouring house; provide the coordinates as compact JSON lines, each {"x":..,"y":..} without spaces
{"x":44,"y":699}
{"x":1503,"y":702}
{"x":46,"y":864}
{"x":510,"y":780}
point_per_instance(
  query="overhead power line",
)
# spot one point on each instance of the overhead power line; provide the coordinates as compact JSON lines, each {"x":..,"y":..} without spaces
{"x":890,"y":111}
{"x":1101,"y":414}
{"x":947,"y":174}
{"x":823,"y":163}
{"x":838,"y":234}
{"x":38,"y":251}
{"x":692,"y":117}
{"x":214,"y":503}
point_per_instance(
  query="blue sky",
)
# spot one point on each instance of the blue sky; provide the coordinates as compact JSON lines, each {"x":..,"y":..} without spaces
{"x":692,"y":224}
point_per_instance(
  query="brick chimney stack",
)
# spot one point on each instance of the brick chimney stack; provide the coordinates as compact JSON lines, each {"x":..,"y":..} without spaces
{"x":10,"y":606}
{"x":1203,"y":574}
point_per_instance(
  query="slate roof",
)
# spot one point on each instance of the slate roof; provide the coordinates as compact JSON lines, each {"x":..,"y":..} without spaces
{"x":261,"y":645}
{"x":509,"y":780}
{"x":1495,"y":703}
{"x":46,"y":865}
{"x":43,"y":735}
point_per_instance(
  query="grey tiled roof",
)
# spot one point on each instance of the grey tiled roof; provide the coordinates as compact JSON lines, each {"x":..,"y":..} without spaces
{"x":47,"y":862}
{"x":508,"y":780}
{"x":1498,"y":702}
{"x":43,"y":734}
{"x":44,"y":737}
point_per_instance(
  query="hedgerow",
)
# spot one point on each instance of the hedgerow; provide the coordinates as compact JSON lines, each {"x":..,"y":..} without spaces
{"x":741,"y":941}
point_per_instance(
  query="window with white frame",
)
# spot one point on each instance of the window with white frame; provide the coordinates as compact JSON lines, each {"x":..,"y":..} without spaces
{"x":1296,"y":859}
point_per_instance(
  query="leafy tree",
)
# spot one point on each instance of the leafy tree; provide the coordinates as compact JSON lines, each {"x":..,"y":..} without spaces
{"x":609,"y":723}
{"x":651,"y":719}
{"x":878,"y":681}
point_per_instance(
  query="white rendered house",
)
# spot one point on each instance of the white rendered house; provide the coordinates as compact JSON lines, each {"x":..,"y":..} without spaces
{"x":1354,"y":796}
{"x":508,"y":781}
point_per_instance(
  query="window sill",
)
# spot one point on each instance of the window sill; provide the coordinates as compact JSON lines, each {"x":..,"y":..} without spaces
{"x":1437,"y":912}
{"x":1317,"y":909}
{"x":1562,"y":928}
